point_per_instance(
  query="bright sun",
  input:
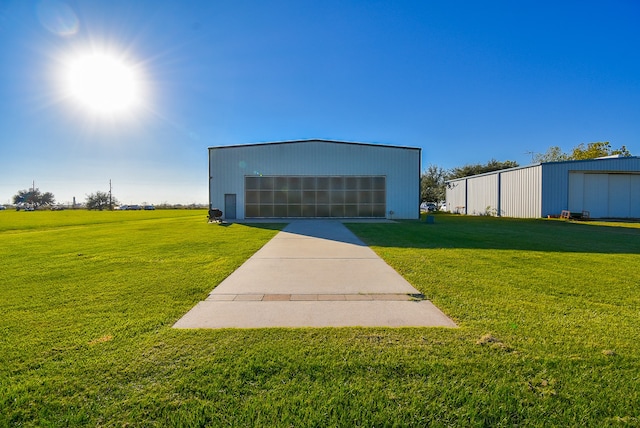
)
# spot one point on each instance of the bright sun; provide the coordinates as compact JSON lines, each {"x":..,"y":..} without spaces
{"x":104,"y":84}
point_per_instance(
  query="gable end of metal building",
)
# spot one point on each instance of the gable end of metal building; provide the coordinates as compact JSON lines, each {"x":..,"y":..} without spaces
{"x":229,"y":166}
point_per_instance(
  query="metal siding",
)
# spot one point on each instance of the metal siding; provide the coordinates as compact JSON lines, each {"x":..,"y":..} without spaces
{"x":401,"y":166}
{"x":515,"y":192}
{"x":623,"y":196}
{"x":456,"y":196}
{"x":521,"y":192}
{"x":634,"y":191}
{"x":619,"y":195}
{"x":556,"y":186}
{"x":605,"y":195}
{"x":482,"y":194}
{"x":544,"y":189}
{"x":596,"y":198}
{"x":576,"y":191}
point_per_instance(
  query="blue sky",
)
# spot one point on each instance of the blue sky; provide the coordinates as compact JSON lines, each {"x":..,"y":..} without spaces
{"x":467,"y":81}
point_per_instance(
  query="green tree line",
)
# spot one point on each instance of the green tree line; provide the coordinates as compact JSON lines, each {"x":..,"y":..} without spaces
{"x":34,"y":198}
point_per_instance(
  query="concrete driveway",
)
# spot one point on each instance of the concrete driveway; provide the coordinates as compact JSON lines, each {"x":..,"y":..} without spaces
{"x":314,"y":273}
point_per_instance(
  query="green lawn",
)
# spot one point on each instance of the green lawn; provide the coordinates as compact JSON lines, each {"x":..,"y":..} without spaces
{"x":548,"y":315}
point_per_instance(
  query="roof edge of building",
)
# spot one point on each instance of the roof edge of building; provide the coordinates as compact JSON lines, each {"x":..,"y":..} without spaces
{"x":313,"y":140}
{"x":544,"y":163}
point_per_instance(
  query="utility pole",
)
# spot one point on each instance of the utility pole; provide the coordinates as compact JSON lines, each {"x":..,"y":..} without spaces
{"x":110,"y":204}
{"x":530,"y":153}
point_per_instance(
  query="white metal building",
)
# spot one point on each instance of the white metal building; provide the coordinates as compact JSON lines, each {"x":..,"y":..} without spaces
{"x":315,"y":179}
{"x":605,"y":187}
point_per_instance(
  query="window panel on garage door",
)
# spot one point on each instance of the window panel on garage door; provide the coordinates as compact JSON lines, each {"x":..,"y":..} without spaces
{"x":315,"y":196}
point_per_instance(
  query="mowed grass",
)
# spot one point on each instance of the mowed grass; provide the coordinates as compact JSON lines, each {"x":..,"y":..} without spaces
{"x":548,"y":316}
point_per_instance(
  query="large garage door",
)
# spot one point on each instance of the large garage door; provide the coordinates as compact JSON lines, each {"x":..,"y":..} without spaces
{"x":323,"y":196}
{"x":596,"y":195}
{"x":605,"y":194}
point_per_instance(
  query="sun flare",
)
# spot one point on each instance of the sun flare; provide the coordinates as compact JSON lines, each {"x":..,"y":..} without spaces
{"x":104,"y":84}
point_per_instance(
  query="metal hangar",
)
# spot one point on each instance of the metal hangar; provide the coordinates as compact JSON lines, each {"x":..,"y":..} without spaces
{"x":315,"y":179}
{"x":602,"y":188}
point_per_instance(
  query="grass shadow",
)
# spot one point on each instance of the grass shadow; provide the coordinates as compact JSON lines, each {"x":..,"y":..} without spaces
{"x":470,"y":232}
{"x":328,"y":229}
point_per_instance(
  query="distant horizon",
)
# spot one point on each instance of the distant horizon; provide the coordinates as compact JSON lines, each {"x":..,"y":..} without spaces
{"x":82,"y":205}
{"x":130,"y":200}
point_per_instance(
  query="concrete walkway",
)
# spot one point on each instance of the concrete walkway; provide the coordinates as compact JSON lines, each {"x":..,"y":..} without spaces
{"x":314,"y":273}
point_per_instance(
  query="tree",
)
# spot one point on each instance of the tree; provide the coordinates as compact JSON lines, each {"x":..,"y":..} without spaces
{"x":432,"y":186}
{"x":580,"y":152}
{"x":597,"y":150}
{"x":33,"y":197}
{"x":100,"y":201}
{"x":469,"y":169}
{"x":553,"y":154}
